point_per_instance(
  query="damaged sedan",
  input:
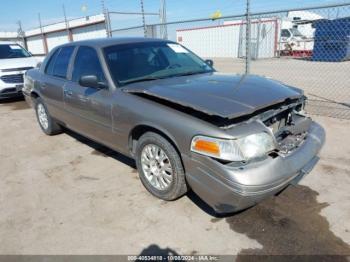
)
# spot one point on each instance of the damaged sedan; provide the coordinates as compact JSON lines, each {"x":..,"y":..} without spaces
{"x":232,"y":139}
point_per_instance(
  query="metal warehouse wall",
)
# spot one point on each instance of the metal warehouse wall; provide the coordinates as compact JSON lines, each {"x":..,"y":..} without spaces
{"x":88,"y":32}
{"x":211,"y":41}
{"x":35,"y":44}
{"x":42,"y":40}
{"x":55,"y":39}
{"x":229,"y":40}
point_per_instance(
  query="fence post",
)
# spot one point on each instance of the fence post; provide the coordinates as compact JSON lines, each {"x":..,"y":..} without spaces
{"x":143,"y":19}
{"x":162,"y":14}
{"x":248,"y":40}
{"x":106,"y":16}
{"x":43,"y":36}
{"x":108,"y":23}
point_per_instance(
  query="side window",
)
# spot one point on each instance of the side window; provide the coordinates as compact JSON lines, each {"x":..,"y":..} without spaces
{"x":62,"y":61}
{"x":87,"y":63}
{"x":51,"y":63}
{"x":285,"y":33}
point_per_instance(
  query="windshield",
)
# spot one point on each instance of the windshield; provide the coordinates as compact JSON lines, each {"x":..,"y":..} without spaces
{"x":295,"y":32}
{"x":12,"y":51}
{"x":137,"y":62}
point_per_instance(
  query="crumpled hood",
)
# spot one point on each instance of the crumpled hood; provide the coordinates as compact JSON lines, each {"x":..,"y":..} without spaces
{"x":12,"y":63}
{"x":223,"y":95}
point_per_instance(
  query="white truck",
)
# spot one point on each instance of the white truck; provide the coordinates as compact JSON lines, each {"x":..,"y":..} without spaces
{"x":297,"y":33}
{"x":293,"y":42}
{"x":14,"y":61}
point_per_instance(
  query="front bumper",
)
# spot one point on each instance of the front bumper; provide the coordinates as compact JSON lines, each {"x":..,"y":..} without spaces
{"x":228,"y":188}
{"x":11,"y":91}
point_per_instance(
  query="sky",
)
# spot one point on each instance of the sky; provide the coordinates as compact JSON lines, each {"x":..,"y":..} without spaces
{"x":51,"y":11}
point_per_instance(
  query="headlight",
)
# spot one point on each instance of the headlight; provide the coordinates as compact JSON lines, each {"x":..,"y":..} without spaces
{"x":242,"y":149}
{"x":256,"y":145}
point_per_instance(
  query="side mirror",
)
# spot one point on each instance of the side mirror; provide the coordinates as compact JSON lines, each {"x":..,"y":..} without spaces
{"x":209,"y":62}
{"x":91,"y":81}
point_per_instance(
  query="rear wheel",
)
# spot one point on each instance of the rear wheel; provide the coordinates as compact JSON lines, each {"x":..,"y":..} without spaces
{"x":47,"y":124}
{"x":160,"y":167}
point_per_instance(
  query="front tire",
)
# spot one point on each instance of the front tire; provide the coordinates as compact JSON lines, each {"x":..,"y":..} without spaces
{"x":46,"y":123}
{"x":160,"y":167}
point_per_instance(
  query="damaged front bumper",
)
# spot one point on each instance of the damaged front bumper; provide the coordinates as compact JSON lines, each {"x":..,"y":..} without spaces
{"x":229,"y":188}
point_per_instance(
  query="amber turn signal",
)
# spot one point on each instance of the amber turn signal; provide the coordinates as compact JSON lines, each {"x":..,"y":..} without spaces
{"x":206,"y":147}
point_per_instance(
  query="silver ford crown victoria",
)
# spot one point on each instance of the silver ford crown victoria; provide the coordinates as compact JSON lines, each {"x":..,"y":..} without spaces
{"x":232,"y":139}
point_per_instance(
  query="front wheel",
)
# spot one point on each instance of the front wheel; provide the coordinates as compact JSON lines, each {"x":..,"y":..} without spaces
{"x":47,"y":124}
{"x":160,"y":167}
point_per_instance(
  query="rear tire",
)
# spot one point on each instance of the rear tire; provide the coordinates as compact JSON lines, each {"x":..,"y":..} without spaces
{"x":160,"y":167}
{"x":46,"y":123}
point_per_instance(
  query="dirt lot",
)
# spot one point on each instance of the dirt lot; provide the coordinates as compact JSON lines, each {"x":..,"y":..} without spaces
{"x":68,"y":195}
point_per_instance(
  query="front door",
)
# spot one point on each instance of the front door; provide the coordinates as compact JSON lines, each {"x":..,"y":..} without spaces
{"x":89,"y":107}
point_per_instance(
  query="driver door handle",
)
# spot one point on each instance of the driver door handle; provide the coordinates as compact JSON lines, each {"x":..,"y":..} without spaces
{"x":68,"y":92}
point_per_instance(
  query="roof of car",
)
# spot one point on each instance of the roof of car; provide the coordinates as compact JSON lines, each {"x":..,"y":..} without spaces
{"x":104,"y":42}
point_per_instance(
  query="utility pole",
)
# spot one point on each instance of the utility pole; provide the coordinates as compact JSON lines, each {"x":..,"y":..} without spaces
{"x":163,"y":20}
{"x":143,"y":18}
{"x":21,"y":34}
{"x":248,"y":39}
{"x":69,"y":35}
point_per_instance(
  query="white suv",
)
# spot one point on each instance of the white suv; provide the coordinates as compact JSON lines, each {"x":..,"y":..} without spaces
{"x":14,"y":61}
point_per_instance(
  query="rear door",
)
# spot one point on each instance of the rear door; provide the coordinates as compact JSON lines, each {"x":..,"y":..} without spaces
{"x":54,"y":79}
{"x":89,"y":107}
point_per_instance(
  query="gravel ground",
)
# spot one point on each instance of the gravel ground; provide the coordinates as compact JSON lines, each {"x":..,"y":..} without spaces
{"x":68,"y":195}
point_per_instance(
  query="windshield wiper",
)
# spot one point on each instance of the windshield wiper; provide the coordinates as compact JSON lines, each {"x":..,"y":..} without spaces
{"x":193,"y":73}
{"x":143,"y":79}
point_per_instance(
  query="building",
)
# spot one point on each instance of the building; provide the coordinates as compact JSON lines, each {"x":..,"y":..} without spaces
{"x":11,"y":37}
{"x":228,"y":40}
{"x":40,"y":41}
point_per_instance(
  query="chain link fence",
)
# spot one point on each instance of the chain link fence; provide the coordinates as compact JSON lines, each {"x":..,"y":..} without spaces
{"x":308,"y":48}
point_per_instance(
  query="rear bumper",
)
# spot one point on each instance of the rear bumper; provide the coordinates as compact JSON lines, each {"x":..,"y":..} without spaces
{"x":228,"y":188}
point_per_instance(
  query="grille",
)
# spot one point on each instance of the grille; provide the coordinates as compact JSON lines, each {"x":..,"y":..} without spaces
{"x":12,"y":79}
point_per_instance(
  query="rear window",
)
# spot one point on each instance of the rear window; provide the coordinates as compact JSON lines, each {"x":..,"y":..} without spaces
{"x":51,"y":63}
{"x":58,"y":64}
